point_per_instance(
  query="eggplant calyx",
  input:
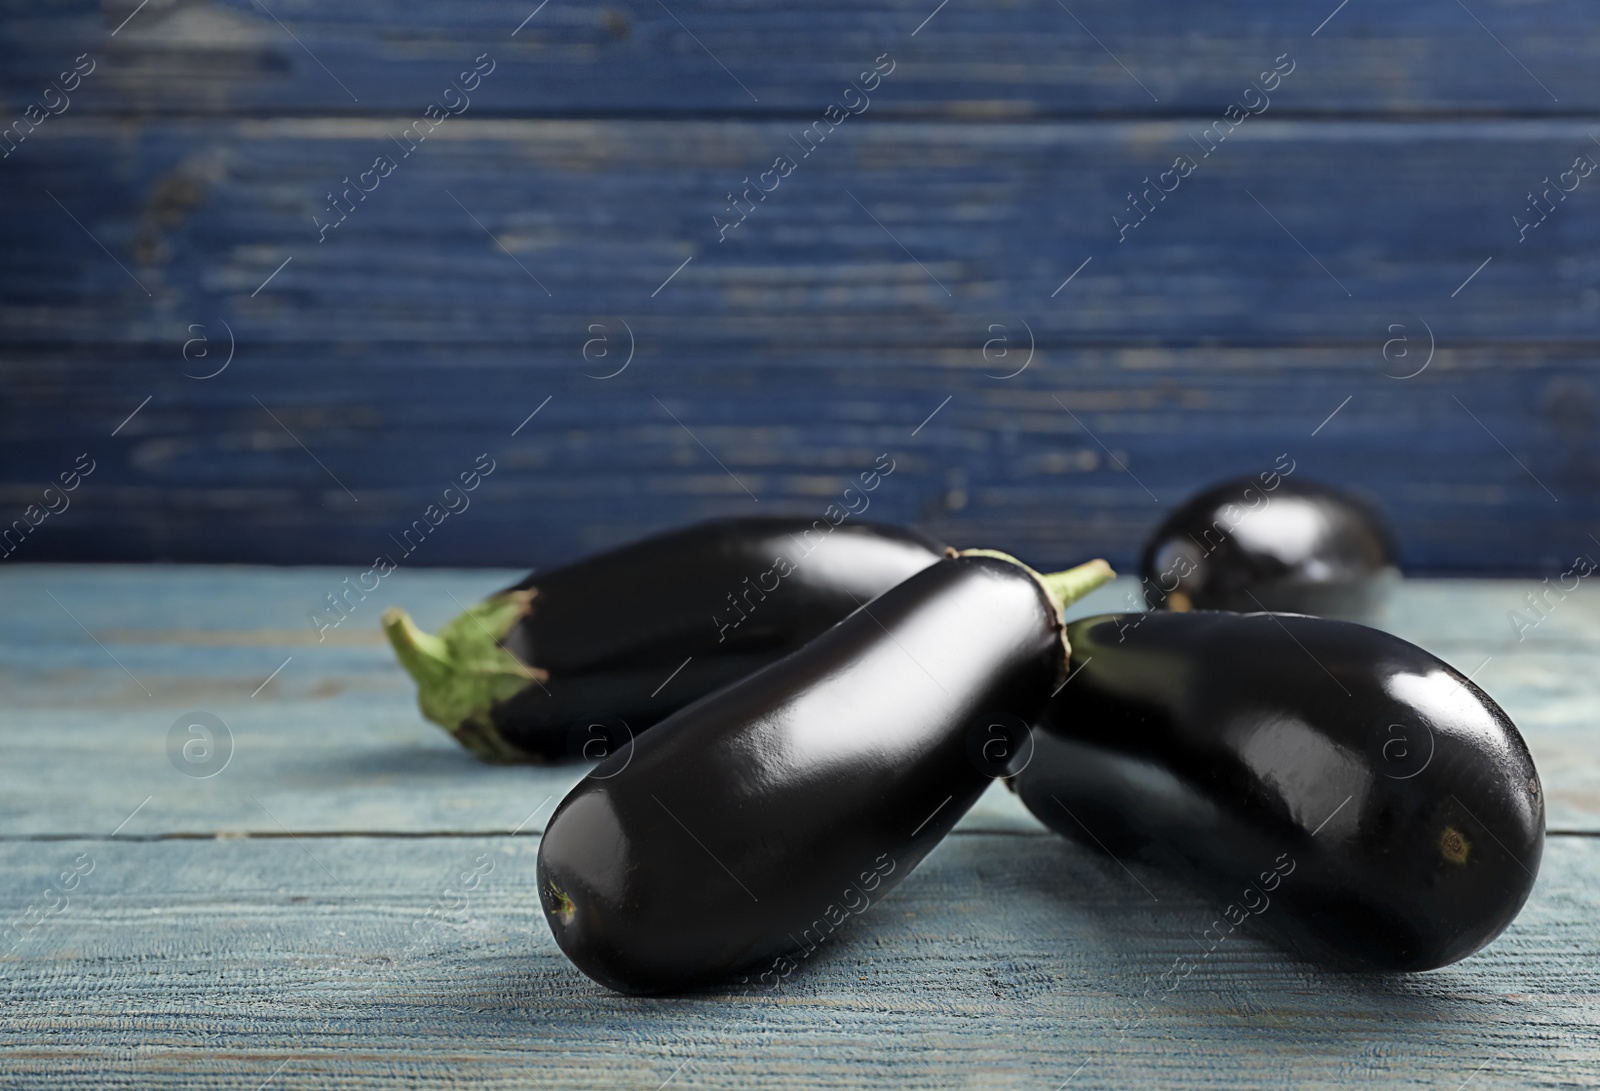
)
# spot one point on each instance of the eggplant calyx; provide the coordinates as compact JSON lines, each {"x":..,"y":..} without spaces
{"x":1064,"y":588}
{"x":463,"y":672}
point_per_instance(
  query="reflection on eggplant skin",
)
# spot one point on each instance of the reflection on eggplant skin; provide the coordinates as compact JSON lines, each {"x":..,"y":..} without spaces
{"x":1297,"y":763}
{"x":1299,"y":547}
{"x":1410,"y":806}
{"x":733,"y":827}
{"x":610,"y":628}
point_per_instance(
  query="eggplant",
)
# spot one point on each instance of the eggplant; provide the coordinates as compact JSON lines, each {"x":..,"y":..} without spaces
{"x":745,"y":829}
{"x":1355,"y":798}
{"x":1270,"y":543}
{"x":570,"y":664}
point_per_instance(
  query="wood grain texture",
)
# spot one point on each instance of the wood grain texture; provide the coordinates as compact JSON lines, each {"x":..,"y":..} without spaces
{"x":1005,"y":961}
{"x":334,"y":743}
{"x":632,"y":57}
{"x":974,"y":224}
{"x":204,"y":473}
{"x":1374,"y":197}
{"x":309,"y":918}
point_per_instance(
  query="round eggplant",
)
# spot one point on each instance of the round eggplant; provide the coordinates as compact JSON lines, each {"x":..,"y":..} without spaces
{"x":1354,"y":797}
{"x":1271,"y":544}
{"x":743,"y":830}
{"x":571,"y":663}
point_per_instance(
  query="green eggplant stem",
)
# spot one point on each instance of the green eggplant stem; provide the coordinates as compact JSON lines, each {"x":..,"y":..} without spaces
{"x":462,"y":672}
{"x":1072,"y":584}
{"x":1064,"y":588}
{"x":424,"y":656}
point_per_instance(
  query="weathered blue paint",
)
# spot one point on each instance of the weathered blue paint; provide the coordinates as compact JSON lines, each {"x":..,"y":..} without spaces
{"x":346,"y":903}
{"x":1006,"y":148}
{"x":335,"y":738}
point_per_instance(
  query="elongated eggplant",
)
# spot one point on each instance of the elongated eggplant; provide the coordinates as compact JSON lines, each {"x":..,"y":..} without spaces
{"x":747,"y":827}
{"x":1272,"y":543}
{"x":570,"y":664}
{"x":1350,"y":794}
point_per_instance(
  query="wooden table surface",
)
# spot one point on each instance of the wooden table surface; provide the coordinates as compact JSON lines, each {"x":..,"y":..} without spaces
{"x":297,"y":919}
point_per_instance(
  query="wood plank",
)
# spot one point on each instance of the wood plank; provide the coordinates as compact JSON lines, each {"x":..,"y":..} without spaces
{"x":1028,"y":58}
{"x":751,"y":343}
{"x":594,"y":218}
{"x":1007,"y":961}
{"x":203,"y":473}
{"x":203,"y":212}
{"x":334,"y":742}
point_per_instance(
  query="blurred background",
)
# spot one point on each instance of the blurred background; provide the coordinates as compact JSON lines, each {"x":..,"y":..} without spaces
{"x":275,"y":277}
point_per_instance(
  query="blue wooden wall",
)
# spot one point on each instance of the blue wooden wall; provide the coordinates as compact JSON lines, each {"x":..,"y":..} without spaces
{"x":968,"y":214}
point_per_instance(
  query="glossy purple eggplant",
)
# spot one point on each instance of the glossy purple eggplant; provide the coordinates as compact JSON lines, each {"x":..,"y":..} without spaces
{"x":1271,"y":543}
{"x":571,"y":663}
{"x":1345,"y":792}
{"x":741,"y":832}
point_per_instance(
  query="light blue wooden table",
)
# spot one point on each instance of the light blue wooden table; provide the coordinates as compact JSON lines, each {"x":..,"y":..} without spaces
{"x":297,"y":920}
